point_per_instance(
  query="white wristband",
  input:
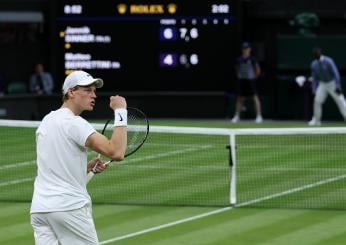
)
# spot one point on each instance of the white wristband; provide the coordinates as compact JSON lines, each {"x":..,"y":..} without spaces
{"x":120,"y":117}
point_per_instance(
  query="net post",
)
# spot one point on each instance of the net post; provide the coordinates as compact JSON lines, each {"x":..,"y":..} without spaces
{"x":232,"y":166}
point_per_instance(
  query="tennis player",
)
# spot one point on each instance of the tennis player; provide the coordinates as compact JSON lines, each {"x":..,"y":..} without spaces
{"x":61,"y":206}
{"x":325,"y":80}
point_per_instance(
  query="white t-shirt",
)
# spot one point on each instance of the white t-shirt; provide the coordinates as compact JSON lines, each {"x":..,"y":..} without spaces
{"x":61,"y":179}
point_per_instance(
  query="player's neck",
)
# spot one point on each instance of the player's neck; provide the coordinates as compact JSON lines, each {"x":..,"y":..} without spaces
{"x":75,"y":109}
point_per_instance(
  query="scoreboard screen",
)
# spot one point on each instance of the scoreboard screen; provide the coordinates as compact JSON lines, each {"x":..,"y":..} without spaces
{"x":148,"y":45}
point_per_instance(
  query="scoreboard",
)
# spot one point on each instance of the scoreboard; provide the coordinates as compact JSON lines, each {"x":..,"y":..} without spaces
{"x":148,"y":45}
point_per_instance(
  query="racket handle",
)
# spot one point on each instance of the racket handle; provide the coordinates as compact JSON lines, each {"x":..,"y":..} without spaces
{"x":90,"y":176}
{"x":94,"y":168}
{"x":92,"y":173}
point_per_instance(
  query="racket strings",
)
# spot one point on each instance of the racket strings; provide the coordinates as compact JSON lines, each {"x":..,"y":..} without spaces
{"x":137,"y":130}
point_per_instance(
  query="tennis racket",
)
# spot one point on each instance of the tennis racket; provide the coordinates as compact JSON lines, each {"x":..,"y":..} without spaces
{"x":137,"y":133}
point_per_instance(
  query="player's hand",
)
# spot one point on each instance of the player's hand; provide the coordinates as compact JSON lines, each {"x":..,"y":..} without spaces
{"x":97,"y":165}
{"x":117,"y":102}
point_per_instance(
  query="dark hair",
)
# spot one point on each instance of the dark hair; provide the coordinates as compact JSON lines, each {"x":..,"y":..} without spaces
{"x":317,"y":49}
{"x":246,"y":45}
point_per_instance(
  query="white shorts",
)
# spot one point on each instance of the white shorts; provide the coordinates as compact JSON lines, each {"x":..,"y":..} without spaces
{"x":65,"y":228}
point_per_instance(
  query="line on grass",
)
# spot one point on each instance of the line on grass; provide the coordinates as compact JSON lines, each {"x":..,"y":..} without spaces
{"x":155,"y":228}
{"x":165,"y":154}
{"x":15,"y":182}
{"x":166,"y":225}
{"x":16,"y":165}
{"x":28,"y":163}
{"x":294,"y":190}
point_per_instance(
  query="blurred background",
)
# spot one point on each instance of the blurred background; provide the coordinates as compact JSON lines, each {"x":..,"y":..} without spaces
{"x":173,"y":59}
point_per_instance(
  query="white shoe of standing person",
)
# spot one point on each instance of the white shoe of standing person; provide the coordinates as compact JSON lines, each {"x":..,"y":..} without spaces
{"x":259,"y":119}
{"x":314,"y":122}
{"x":235,"y":119}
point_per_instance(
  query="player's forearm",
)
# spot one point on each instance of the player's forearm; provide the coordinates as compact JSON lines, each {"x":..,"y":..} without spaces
{"x":119,"y":143}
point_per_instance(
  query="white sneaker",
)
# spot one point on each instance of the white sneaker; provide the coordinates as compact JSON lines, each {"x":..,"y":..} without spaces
{"x":235,"y":119}
{"x":259,"y":119}
{"x":314,"y":122}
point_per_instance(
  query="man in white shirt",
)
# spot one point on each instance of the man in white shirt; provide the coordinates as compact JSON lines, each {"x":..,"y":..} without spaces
{"x":61,"y":206}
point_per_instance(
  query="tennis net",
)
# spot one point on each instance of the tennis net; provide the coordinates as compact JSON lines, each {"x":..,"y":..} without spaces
{"x":176,"y":166}
{"x":275,"y":168}
{"x":291,"y":168}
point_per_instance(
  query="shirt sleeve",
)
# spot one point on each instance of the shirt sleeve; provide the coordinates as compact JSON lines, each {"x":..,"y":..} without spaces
{"x":314,"y":77}
{"x":32,"y":83}
{"x":335,"y":71}
{"x":80,"y":130}
{"x":49,"y":83}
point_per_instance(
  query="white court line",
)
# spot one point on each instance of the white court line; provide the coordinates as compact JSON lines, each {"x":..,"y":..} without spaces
{"x":155,"y":228}
{"x":165,"y":154}
{"x":166,"y":225}
{"x":21,"y":164}
{"x":309,"y":186}
{"x":14,"y":182}
{"x":15,"y":165}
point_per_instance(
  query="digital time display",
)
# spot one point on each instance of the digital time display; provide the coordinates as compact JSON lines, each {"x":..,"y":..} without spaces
{"x":148,"y":45}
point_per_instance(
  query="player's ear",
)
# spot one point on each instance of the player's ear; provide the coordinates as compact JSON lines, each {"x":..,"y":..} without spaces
{"x":71,"y":92}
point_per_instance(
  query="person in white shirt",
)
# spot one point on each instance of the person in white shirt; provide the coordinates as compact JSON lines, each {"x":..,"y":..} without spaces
{"x":325,"y":81}
{"x":61,"y":206}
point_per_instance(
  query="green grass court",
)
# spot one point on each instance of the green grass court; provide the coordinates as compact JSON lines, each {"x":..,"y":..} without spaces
{"x":179,"y":193}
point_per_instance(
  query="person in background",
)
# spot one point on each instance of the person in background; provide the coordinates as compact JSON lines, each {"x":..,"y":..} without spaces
{"x":41,"y":82}
{"x":247,"y":70}
{"x":325,"y":80}
{"x":61,"y":210}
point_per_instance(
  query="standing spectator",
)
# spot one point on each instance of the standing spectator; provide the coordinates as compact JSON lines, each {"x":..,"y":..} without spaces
{"x":247,"y":70}
{"x":325,"y":80}
{"x":41,"y":82}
